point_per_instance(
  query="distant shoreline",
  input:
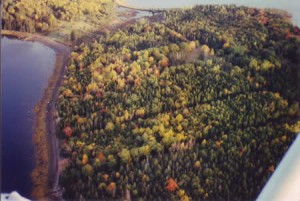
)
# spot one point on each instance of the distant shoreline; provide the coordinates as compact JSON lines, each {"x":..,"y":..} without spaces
{"x":45,"y":175}
{"x":122,"y":3}
{"x":283,"y":13}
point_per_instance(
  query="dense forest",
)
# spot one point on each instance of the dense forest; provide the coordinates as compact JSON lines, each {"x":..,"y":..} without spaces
{"x":45,"y":15}
{"x":201,"y":105}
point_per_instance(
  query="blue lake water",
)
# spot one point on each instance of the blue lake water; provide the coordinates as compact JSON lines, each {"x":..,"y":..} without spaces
{"x":26,"y":67}
{"x":292,"y":6}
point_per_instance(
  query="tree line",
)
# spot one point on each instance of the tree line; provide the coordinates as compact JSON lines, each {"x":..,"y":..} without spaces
{"x":202,"y":105}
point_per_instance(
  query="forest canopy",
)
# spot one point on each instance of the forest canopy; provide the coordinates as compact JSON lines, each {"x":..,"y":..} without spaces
{"x":44,"y":15}
{"x":201,"y":105}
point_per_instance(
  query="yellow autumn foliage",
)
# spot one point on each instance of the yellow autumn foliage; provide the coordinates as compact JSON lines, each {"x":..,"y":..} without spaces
{"x":180,"y":137}
{"x":109,"y":126}
{"x":179,"y":118}
{"x":85,"y":159}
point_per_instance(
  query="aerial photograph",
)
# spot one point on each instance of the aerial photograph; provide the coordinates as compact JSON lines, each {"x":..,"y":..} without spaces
{"x":150,"y":100}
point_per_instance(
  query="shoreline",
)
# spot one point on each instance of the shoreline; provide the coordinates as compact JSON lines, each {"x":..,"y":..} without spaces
{"x":45,"y":175}
{"x":282,"y":12}
{"x":122,"y":3}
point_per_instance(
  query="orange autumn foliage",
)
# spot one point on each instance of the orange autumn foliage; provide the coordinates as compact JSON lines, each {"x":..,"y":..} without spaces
{"x":171,"y":185}
{"x":101,"y":157}
{"x":105,"y":177}
{"x":85,"y":159}
{"x":164,"y":62}
{"x":156,"y":73}
{"x":111,"y":187}
{"x":68,"y":131}
{"x":271,"y":168}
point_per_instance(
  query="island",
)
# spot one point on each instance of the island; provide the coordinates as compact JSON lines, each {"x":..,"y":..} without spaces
{"x":193,"y":103}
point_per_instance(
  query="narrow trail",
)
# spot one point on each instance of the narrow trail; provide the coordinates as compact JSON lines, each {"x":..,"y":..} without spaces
{"x":62,"y":56}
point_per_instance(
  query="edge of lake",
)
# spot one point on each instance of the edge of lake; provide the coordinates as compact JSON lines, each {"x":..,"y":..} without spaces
{"x":45,"y":175}
{"x":283,"y":13}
